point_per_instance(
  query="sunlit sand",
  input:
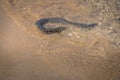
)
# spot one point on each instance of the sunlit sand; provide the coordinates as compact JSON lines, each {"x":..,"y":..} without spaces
{"x":74,"y":54}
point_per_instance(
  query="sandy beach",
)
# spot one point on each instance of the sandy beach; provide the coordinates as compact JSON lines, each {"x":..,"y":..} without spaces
{"x":75,"y":54}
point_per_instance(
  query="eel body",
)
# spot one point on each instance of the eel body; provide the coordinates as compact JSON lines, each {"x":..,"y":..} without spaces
{"x":40,"y":23}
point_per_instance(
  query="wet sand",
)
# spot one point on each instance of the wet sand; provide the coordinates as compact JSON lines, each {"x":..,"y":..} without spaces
{"x":75,"y":54}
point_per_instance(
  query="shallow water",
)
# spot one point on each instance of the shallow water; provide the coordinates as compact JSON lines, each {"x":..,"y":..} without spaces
{"x":75,"y":54}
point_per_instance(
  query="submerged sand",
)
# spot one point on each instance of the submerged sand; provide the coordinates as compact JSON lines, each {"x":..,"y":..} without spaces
{"x":75,"y":54}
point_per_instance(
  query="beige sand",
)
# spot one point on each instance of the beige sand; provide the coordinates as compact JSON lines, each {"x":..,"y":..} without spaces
{"x":75,"y":54}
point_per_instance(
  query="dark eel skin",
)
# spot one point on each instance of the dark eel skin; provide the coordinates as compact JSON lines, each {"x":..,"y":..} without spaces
{"x":45,"y":30}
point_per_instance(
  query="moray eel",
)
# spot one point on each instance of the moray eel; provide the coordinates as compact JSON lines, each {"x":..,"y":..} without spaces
{"x":40,"y":23}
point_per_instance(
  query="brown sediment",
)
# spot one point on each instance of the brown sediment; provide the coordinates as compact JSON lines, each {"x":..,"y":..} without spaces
{"x":75,"y":54}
